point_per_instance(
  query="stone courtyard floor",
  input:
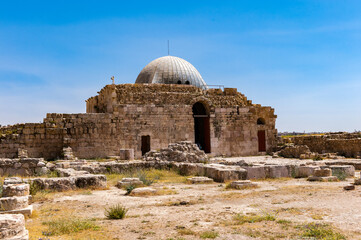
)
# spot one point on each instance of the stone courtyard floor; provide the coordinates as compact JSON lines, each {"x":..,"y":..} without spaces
{"x":278,"y":209}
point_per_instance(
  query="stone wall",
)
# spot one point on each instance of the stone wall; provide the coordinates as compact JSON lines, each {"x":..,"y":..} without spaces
{"x":39,"y":139}
{"x":346,"y":144}
{"x":22,"y":167}
{"x":120,"y":115}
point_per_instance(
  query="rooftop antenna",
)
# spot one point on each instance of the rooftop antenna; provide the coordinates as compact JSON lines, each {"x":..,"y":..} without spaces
{"x":168,"y":47}
{"x":112,"y":78}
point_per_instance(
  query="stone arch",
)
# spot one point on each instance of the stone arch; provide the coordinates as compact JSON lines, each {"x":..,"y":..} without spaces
{"x":261,"y":121}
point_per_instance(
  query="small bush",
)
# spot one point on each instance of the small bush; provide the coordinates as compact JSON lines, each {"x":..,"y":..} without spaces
{"x":34,"y":188}
{"x":129,"y":189}
{"x":145,"y":179}
{"x":240,"y":219}
{"x":68,"y":225}
{"x":116,"y":212}
{"x":208,"y":234}
{"x":186,"y":231}
{"x":320,"y":231}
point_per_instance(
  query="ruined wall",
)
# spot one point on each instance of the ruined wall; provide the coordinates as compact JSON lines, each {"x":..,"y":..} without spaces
{"x":348,"y":145}
{"x":120,"y":115}
{"x":39,"y":139}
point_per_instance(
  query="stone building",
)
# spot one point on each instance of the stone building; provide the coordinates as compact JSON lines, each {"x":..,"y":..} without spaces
{"x":169,"y":102}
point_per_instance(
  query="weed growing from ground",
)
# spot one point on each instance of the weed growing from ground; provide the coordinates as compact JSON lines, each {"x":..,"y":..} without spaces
{"x":68,"y":225}
{"x":320,"y":231}
{"x":208,"y":235}
{"x":240,"y":219}
{"x":116,"y":212}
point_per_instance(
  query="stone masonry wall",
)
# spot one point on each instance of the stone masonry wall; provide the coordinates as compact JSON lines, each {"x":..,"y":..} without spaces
{"x":121,"y":114}
{"x":39,"y":139}
{"x":347,"y":145}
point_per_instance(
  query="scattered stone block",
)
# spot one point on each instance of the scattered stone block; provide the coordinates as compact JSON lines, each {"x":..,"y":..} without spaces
{"x":11,"y":190}
{"x":184,"y":151}
{"x":13,"y":203}
{"x":12,"y":180}
{"x":323,"y":172}
{"x":256,"y":172}
{"x":22,"y":153}
{"x":24,"y":211}
{"x":90,"y":180}
{"x":197,"y":180}
{"x":346,"y":170}
{"x":125,"y":182}
{"x":221,"y":173}
{"x":357,"y":181}
{"x":242,"y":184}
{"x":305,"y":171}
{"x":144,"y":191}
{"x":12,"y":226}
{"x":349,"y":187}
{"x":126,"y":154}
{"x":322,"y":179}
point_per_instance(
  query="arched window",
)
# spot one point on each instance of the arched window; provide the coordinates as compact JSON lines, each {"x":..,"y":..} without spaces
{"x":187,"y":82}
{"x":179,"y":82}
{"x":261,"y":121}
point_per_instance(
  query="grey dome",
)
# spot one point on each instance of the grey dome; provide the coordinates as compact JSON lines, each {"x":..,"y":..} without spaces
{"x":171,"y":70}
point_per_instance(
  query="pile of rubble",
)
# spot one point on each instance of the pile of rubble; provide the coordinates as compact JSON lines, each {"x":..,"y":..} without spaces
{"x":184,"y":151}
{"x":15,"y":197}
{"x":290,"y":150}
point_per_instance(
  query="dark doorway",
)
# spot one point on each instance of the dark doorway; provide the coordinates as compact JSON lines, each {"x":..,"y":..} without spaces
{"x":145,"y":144}
{"x":201,"y":127}
{"x":261,"y":140}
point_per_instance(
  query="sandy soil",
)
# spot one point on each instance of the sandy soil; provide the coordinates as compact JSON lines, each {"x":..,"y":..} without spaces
{"x":210,"y":207}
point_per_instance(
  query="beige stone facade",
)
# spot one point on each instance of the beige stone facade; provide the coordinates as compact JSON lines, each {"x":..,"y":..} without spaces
{"x":128,"y":116}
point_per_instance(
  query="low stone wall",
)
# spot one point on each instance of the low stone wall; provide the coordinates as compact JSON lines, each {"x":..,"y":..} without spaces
{"x":347,"y":144}
{"x":22,"y":167}
{"x":71,"y":183}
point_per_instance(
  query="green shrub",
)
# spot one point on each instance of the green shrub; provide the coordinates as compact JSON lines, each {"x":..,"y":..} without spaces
{"x":68,"y":225}
{"x":209,"y":234}
{"x":241,"y":219}
{"x":145,"y":179}
{"x":129,"y":189}
{"x":34,"y":188}
{"x":320,"y":231}
{"x":116,"y":212}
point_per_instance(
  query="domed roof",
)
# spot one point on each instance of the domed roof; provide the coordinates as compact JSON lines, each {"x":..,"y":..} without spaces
{"x":171,"y":70}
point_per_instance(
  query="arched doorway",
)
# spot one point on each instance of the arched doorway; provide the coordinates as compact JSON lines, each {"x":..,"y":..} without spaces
{"x":145,"y":147}
{"x":201,"y":127}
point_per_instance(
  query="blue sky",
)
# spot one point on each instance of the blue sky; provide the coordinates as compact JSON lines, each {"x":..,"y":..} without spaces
{"x":301,"y":57}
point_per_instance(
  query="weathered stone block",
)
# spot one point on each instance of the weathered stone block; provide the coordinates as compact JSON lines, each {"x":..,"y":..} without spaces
{"x":144,"y":191}
{"x":197,"y":180}
{"x":324,"y":172}
{"x":12,"y":227}
{"x":256,"y":172}
{"x":11,"y":190}
{"x":322,"y":179}
{"x":242,"y":184}
{"x":125,"y":182}
{"x":96,"y":181}
{"x":346,"y":170}
{"x":305,"y":171}
{"x":126,"y":154}
{"x":13,"y":203}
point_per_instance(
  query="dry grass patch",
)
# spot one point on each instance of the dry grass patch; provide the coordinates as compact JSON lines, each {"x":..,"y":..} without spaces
{"x":148,"y":176}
